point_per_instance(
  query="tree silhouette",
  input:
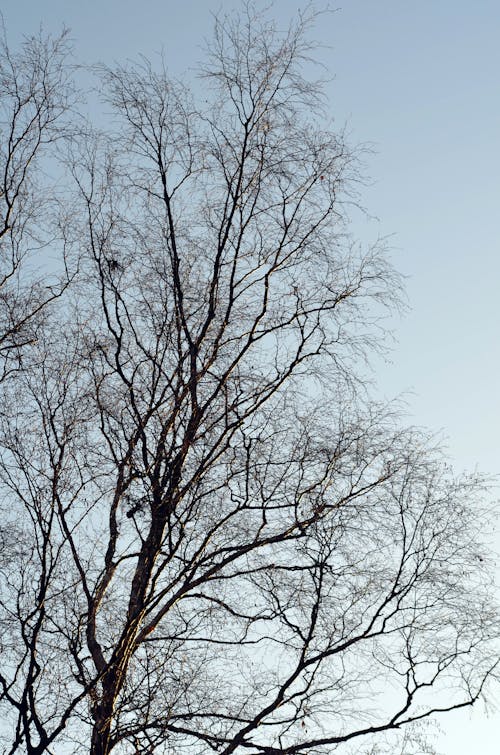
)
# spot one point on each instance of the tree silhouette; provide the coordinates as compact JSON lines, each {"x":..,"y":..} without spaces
{"x":213,"y":538}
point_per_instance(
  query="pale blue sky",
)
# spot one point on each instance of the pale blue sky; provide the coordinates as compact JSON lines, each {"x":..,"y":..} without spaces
{"x":420,"y":82}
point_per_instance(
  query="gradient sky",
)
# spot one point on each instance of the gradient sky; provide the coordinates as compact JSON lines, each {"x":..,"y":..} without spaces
{"x":419,"y":81}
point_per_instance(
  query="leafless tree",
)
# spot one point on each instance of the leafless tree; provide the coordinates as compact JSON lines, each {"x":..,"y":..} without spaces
{"x":213,"y":539}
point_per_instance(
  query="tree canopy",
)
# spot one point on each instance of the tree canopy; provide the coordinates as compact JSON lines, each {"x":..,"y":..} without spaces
{"x":214,"y":539}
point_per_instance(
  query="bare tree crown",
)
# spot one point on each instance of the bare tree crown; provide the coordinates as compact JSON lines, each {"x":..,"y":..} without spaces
{"x":213,"y":539}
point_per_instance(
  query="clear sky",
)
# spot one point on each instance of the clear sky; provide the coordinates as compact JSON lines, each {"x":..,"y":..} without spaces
{"x":419,"y":81}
